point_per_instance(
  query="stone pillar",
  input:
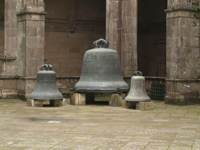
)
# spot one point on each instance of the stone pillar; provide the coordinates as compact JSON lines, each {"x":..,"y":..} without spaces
{"x":31,"y":30}
{"x":129,"y":36}
{"x":121,"y":31}
{"x":183,"y":52}
{"x":10,"y":52}
{"x":113,"y":23}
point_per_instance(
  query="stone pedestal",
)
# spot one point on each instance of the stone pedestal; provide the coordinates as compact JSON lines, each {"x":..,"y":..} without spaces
{"x":116,"y":100}
{"x":78,"y":99}
{"x":183,"y":44}
{"x":145,"y":106}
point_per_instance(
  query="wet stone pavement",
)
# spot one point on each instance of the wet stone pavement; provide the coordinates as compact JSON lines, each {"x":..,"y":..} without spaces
{"x":167,"y":127}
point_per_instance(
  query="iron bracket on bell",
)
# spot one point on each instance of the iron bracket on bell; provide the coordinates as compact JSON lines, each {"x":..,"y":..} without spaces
{"x":101,"y":43}
{"x":46,"y":67}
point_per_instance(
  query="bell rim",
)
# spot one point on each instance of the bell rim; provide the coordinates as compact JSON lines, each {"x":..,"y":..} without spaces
{"x":138,"y":100}
{"x":101,"y":91}
{"x":42,"y":99}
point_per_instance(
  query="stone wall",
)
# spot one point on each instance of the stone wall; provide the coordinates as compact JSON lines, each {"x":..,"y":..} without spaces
{"x":71,"y":27}
{"x":1,"y":26}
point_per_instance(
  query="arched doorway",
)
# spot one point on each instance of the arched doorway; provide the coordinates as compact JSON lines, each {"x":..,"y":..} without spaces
{"x":152,"y":37}
{"x":71,"y":27}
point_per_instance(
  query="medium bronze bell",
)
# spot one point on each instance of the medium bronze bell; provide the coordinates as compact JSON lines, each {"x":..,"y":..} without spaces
{"x":46,"y":88}
{"x":101,"y":71}
{"x":137,"y":91}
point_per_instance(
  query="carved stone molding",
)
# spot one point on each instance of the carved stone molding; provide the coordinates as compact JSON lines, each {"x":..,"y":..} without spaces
{"x":6,"y":58}
{"x":182,"y":4}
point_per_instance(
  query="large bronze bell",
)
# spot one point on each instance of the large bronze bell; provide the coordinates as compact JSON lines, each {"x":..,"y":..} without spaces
{"x":137,"y":91}
{"x":46,"y":88}
{"x":101,"y":71}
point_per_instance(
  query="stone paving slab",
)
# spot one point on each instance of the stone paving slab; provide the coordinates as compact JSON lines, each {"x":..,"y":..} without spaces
{"x":167,"y":127}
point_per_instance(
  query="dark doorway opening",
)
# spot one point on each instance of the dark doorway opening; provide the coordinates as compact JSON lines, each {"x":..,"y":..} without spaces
{"x":2,"y":26}
{"x":152,"y":37}
{"x":71,"y":27}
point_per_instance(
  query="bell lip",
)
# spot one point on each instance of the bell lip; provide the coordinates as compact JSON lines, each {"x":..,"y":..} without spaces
{"x":101,"y":91}
{"x":37,"y":96}
{"x":44,"y":99}
{"x":138,"y":100}
{"x":58,"y":97}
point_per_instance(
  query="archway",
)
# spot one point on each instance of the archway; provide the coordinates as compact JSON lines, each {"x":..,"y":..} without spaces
{"x":152,"y":37}
{"x":71,"y":27}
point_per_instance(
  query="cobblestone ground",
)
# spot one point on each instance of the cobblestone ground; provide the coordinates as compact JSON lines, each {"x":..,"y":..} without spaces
{"x":166,"y":127}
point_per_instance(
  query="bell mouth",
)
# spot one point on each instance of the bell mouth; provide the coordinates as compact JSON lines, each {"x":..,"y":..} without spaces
{"x":103,"y":91}
{"x":138,"y":100}
{"x":119,"y":87}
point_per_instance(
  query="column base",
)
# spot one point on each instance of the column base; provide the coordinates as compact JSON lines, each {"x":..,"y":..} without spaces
{"x":183,"y":92}
{"x":8,"y":87}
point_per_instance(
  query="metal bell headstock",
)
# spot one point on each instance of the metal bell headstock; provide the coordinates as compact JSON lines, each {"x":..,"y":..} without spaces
{"x":46,"y":67}
{"x":101,"y":43}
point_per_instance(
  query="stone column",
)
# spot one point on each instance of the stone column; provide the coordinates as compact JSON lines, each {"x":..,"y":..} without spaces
{"x":9,"y":56}
{"x":113,"y":23}
{"x":183,"y":52}
{"x":31,"y":30}
{"x":121,"y":32}
{"x":129,"y":36}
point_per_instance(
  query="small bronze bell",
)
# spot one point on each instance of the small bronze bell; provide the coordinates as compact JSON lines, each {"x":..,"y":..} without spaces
{"x":101,"y":71}
{"x":46,"y":88}
{"x":137,"y":91}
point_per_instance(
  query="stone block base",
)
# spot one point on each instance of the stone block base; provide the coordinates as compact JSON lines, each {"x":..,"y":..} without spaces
{"x":183,"y":92}
{"x":43,"y":103}
{"x":78,"y":99}
{"x":117,"y":100}
{"x":145,"y":106}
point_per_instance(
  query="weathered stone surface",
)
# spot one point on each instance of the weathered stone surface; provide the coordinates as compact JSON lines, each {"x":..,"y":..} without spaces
{"x":182,"y":53}
{"x":10,"y":49}
{"x":129,"y":32}
{"x":113,"y":23}
{"x":31,"y":32}
{"x":116,"y":100}
{"x":145,"y":106}
{"x":78,"y":99}
{"x":92,"y":127}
